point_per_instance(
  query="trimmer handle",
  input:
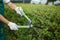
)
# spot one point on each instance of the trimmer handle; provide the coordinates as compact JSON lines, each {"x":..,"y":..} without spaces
{"x":28,"y":26}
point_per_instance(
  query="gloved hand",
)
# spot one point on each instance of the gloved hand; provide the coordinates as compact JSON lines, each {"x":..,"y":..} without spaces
{"x":13,"y":26}
{"x":19,"y":10}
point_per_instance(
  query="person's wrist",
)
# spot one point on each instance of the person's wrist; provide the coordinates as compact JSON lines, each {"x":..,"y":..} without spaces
{"x":16,"y":8}
{"x":7,"y":22}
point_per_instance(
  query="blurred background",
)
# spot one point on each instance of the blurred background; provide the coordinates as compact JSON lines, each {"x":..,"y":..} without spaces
{"x":50,"y":2}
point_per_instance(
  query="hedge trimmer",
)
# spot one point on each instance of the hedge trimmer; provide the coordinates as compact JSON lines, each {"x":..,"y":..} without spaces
{"x":29,"y":20}
{"x":29,"y":24}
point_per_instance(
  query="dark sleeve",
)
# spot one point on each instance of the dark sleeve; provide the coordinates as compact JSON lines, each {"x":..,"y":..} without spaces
{"x":2,"y":8}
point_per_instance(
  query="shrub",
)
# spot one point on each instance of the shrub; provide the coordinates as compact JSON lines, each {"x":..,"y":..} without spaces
{"x":45,"y":17}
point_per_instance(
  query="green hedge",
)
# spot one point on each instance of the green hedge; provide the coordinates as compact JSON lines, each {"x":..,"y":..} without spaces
{"x":46,"y":17}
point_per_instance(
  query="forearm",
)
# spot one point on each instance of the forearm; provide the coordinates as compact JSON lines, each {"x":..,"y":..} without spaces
{"x":18,"y":10}
{"x":3,"y":19}
{"x":12,"y":25}
{"x":11,"y":5}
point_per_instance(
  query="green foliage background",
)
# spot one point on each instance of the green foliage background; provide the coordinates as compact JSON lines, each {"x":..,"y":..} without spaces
{"x":46,"y":17}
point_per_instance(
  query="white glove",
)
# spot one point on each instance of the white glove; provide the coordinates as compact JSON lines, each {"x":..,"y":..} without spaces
{"x":6,"y":1}
{"x":19,"y":10}
{"x":13,"y":26}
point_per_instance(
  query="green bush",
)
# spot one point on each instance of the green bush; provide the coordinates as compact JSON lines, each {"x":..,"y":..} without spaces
{"x":46,"y":17}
